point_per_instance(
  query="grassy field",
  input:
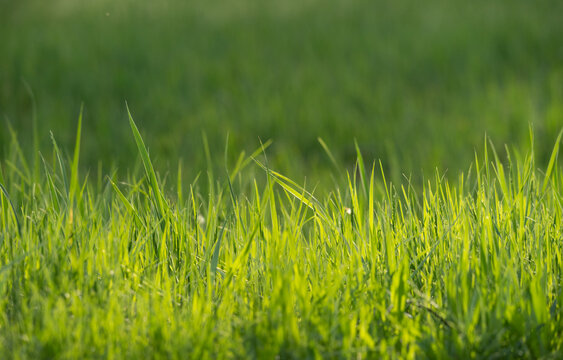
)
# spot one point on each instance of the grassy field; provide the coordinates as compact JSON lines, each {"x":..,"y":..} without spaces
{"x":416,"y":85}
{"x":325,"y":179}
{"x":117,"y":269}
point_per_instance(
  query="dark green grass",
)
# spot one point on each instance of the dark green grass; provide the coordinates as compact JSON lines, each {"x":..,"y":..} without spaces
{"x":416,"y":84}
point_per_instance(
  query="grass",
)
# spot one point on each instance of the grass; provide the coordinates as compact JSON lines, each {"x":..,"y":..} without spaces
{"x":133,"y":268}
{"x":415,"y":84}
{"x":295,"y":241}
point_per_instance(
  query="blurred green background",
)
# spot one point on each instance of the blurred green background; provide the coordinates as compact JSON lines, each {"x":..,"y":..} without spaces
{"x":417,"y":84}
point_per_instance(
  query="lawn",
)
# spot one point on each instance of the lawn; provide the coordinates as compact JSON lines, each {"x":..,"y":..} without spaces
{"x":348,"y":179}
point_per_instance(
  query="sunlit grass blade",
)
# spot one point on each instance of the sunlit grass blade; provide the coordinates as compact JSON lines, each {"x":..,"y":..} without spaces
{"x":329,"y":154}
{"x":75,"y":160}
{"x":290,"y":186}
{"x":371,"y":212}
{"x":242,"y":164}
{"x":125,"y":202}
{"x":149,"y":170}
{"x":216,"y":251}
{"x":361,"y":167}
{"x":552,"y":161}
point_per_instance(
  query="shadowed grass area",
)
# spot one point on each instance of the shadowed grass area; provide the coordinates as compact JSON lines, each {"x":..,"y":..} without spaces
{"x":117,"y":269}
{"x":416,"y":85}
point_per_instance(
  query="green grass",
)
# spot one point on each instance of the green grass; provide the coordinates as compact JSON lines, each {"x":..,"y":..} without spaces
{"x":322,"y":180}
{"x":415,"y":84}
{"x":136,"y":268}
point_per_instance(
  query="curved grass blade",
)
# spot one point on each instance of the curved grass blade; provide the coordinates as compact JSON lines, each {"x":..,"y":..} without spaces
{"x":125,"y":202}
{"x":149,"y":169}
{"x":552,"y":160}
{"x":329,"y":153}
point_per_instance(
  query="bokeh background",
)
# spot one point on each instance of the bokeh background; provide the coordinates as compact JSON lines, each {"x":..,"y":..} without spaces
{"x":416,"y":84}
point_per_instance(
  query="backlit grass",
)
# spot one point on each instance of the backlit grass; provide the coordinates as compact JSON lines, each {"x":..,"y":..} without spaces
{"x":137,"y":267}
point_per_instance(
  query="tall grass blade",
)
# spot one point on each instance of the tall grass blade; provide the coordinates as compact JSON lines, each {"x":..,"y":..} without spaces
{"x":362,"y":167}
{"x":552,"y":161}
{"x":217,"y":248}
{"x":5,"y":192}
{"x":329,"y":153}
{"x":75,"y":160}
{"x":149,"y":169}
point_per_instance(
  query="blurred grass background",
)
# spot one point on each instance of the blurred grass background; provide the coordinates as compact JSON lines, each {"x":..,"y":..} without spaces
{"x":416,"y":84}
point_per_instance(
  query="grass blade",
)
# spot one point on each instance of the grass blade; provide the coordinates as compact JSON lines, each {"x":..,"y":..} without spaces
{"x":149,"y":169}
{"x":75,"y":160}
{"x":552,"y":161}
{"x":5,"y":192}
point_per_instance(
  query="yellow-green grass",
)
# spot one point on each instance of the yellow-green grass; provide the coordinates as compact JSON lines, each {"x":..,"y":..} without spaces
{"x":134,"y":267}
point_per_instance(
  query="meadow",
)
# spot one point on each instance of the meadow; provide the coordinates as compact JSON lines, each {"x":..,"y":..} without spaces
{"x":299,"y":179}
{"x":416,"y":86}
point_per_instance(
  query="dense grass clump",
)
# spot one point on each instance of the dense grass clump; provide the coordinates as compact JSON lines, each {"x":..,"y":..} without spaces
{"x":126,"y":268}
